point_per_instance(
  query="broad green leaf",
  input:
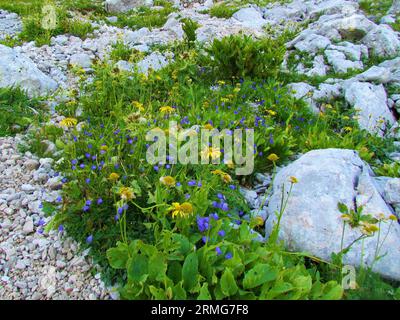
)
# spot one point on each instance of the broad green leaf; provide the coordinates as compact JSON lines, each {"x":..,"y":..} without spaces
{"x":190,"y":271}
{"x":118,"y":257}
{"x":204,"y":293}
{"x":157,"y":267}
{"x":332,"y":291}
{"x":228,"y":283}
{"x":258,"y":275}
{"x":179,"y":291}
{"x":138,"y":268}
{"x":174,"y":271}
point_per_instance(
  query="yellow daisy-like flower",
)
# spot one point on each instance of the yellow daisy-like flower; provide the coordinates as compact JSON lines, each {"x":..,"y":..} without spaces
{"x":104,"y":148}
{"x":126,"y":193}
{"x":273,"y":157}
{"x":348,"y":129}
{"x":369,"y":228}
{"x":167,"y":109}
{"x":113,"y":176}
{"x":138,"y":105}
{"x":68,"y":122}
{"x":183,"y":210}
{"x":293,"y":179}
{"x":393,"y":217}
{"x":210,"y":152}
{"x":208,"y":126}
{"x":168,"y":181}
{"x":271,"y":112}
{"x":224,"y":176}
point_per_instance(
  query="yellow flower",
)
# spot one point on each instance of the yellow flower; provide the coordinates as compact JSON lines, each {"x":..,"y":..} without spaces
{"x":224,"y":176}
{"x":68,"y":122}
{"x":208,"y":126}
{"x":271,"y":112}
{"x":138,"y":105}
{"x":346,"y":217}
{"x":258,"y":221}
{"x":368,"y":228}
{"x":214,"y":153}
{"x":168,"y":181}
{"x":348,"y":129}
{"x":113,"y":176}
{"x":221,"y":82}
{"x":273,"y":157}
{"x":181,"y":210}
{"x":167,"y":109}
{"x":126,"y":193}
{"x":293,"y":179}
{"x":393,"y":217}
{"x":104,"y":148}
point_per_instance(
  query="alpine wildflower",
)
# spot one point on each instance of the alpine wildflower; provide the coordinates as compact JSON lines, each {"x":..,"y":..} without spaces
{"x":168,"y":181}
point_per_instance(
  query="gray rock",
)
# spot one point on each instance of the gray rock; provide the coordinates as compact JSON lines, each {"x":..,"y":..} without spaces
{"x":82,"y":60}
{"x":155,"y":61}
{"x":312,"y":43}
{"x":32,"y":164}
{"x":340,"y":63}
{"x":302,"y":90}
{"x":374,"y":74}
{"x":312,"y":221}
{"x":116,"y":6}
{"x":123,"y":65}
{"x":250,"y":17}
{"x":28,"y":226}
{"x":18,"y":70}
{"x":382,"y":41}
{"x":319,"y":68}
{"x":371,"y":102}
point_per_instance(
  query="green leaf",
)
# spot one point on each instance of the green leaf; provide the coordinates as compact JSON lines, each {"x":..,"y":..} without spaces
{"x":118,"y":257}
{"x":258,"y":275}
{"x":157,"y":293}
{"x":332,"y":291}
{"x":179,"y":292}
{"x":174,"y":271}
{"x":157,"y":267}
{"x":138,"y":268}
{"x":342,"y":208}
{"x":228,"y":283}
{"x":190,"y":271}
{"x":303,"y":283}
{"x":204,"y":293}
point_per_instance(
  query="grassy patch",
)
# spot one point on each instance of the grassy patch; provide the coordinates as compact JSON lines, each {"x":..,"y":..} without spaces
{"x":34,"y":19}
{"x":144,"y":17}
{"x":17,"y":111}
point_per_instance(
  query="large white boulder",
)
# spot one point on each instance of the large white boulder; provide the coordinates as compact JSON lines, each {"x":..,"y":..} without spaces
{"x":250,"y":17}
{"x":17,"y":70}
{"x":312,"y":222}
{"x":371,"y":103}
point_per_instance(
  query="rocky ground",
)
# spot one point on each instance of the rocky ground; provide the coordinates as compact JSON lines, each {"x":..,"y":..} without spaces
{"x":36,"y":265}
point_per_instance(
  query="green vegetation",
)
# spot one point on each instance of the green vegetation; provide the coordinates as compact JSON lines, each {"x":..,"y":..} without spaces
{"x":17,"y":111}
{"x":144,"y":17}
{"x":35,"y":17}
{"x":144,"y":219}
